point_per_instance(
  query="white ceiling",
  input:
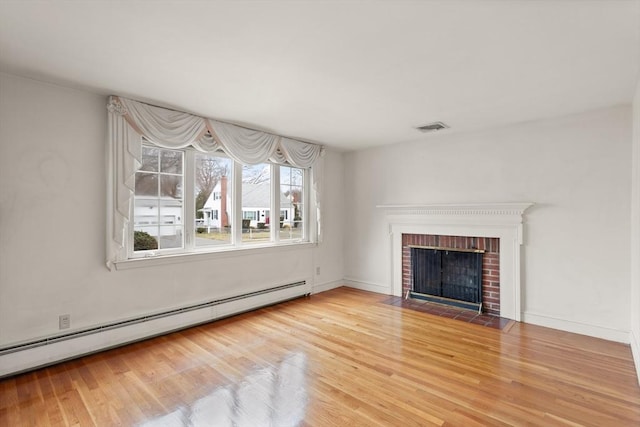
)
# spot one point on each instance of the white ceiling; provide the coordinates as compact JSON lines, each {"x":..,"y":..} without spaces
{"x":350,"y":74}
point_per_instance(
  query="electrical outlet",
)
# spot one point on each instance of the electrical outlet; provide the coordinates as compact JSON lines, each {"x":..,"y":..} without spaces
{"x":317,"y":271}
{"x":64,"y":321}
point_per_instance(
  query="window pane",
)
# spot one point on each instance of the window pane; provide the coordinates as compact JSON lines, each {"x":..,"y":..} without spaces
{"x":171,"y":162}
{"x":170,"y":212}
{"x":256,"y":201}
{"x":145,"y":212}
{"x":291,"y":203}
{"x":149,"y":159}
{"x":171,"y":186}
{"x":213,"y":205}
{"x":145,"y":238}
{"x":146,"y":184}
{"x":170,"y":237}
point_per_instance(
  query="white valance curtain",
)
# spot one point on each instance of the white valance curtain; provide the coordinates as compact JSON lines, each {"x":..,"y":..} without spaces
{"x":174,"y":129}
{"x":130,"y":121}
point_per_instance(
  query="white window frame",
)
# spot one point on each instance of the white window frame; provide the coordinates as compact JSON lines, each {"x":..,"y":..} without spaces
{"x":159,"y":221}
{"x":305,"y":204}
{"x":235,"y":208}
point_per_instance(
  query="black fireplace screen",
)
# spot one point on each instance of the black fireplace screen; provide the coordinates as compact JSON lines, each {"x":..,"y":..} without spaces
{"x":446,"y":273}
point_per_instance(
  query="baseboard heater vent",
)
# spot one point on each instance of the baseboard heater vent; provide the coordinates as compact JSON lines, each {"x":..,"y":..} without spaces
{"x":147,"y":318}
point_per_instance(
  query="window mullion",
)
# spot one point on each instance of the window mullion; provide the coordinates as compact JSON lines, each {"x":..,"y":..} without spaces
{"x":189,"y":214}
{"x":236,"y":201}
{"x":274,"y":222}
{"x":159,"y":199}
{"x":306,"y":204}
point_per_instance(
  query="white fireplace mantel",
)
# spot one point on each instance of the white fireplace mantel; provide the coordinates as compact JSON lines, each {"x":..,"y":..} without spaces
{"x":500,"y":220}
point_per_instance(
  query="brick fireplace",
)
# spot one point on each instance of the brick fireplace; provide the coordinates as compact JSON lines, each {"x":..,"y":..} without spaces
{"x":490,"y":262}
{"x":497,"y":226}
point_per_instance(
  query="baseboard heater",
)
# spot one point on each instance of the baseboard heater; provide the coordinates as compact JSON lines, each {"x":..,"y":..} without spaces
{"x":146,"y":318}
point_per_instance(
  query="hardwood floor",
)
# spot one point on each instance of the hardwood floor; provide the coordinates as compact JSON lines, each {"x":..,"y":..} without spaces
{"x":339,"y":358}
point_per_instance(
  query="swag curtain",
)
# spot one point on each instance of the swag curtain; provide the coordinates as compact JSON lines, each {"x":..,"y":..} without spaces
{"x":129,"y":121}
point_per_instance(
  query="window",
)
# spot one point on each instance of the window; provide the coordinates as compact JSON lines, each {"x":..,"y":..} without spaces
{"x":212,"y":195}
{"x":256,"y":200}
{"x":159,"y":202}
{"x":164,"y":207}
{"x":252,"y":215}
{"x":184,"y":201}
{"x":291,"y":203}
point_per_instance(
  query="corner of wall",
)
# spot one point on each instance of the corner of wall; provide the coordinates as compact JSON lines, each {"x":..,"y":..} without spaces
{"x":634,"y":341}
{"x":635,"y":233}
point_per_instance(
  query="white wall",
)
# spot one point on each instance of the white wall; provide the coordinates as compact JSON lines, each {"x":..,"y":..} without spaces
{"x":576,"y":169}
{"x":635,"y":234}
{"x":52,"y":226}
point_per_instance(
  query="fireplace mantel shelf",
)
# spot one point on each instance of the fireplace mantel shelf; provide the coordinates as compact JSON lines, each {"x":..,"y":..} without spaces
{"x":516,"y":208}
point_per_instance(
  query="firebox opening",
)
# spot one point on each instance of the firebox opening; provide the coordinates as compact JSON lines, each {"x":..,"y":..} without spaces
{"x":448,"y":276}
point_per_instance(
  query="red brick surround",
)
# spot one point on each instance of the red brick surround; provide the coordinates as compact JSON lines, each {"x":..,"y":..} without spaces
{"x":490,"y":263}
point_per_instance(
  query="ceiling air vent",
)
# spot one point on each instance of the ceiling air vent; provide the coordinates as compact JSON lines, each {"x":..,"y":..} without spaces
{"x":431,"y":127}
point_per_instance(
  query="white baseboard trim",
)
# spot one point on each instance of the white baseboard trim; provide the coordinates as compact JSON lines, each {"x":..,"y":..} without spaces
{"x":323,"y":287}
{"x":21,"y":360}
{"x":366,"y":286}
{"x":576,"y":327}
{"x":635,"y":351}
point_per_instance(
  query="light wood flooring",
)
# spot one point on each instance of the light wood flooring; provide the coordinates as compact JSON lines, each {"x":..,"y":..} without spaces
{"x":339,"y":358}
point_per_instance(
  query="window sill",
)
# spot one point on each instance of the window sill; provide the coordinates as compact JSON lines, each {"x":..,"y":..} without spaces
{"x":209,"y":255}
